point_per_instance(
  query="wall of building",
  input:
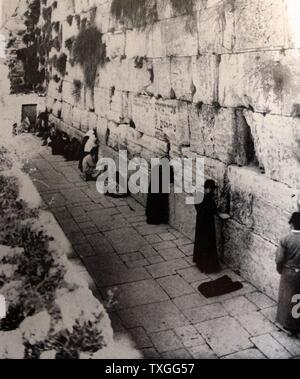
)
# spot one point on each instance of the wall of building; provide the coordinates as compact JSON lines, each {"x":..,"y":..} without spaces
{"x":216,"y":79}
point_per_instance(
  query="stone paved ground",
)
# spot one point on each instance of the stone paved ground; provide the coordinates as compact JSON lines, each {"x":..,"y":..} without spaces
{"x":149,"y":270}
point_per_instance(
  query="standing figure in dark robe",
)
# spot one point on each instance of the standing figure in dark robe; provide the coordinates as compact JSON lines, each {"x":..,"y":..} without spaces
{"x":205,"y":250}
{"x":157,"y":209}
{"x":288,"y":266}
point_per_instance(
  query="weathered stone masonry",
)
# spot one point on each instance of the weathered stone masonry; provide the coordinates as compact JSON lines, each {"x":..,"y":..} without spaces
{"x":218,"y":79}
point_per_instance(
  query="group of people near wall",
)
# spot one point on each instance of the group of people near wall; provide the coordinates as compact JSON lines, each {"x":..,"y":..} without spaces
{"x":157,"y":212}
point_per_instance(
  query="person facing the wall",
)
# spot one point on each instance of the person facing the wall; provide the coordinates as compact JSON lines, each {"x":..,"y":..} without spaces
{"x":205,"y":249}
{"x":89,"y":142}
{"x":288,"y":266}
{"x":89,"y":163}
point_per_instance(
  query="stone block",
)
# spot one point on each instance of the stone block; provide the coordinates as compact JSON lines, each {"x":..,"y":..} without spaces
{"x":214,"y":133}
{"x":259,"y":24}
{"x":276,"y":142}
{"x":268,"y":81}
{"x":143,"y":114}
{"x":252,"y":255}
{"x":216,"y":27}
{"x":180,"y":35}
{"x":205,"y":78}
{"x":172,"y":121}
{"x":258,"y":202}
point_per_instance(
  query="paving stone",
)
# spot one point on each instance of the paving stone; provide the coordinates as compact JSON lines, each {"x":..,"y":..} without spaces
{"x":225,"y":335}
{"x":101,"y":244}
{"x":76,"y":238}
{"x":270,"y":313}
{"x":246,"y":354}
{"x":54,"y":200}
{"x":177,"y":354}
{"x":192,"y":274}
{"x":270,"y":347}
{"x":291,"y":344}
{"x":225,"y":271}
{"x":190,"y":301}
{"x":99,"y":214}
{"x":106,"y":224}
{"x":160,"y":270}
{"x":176,"y":233}
{"x":131,"y":257}
{"x":123,"y":276}
{"x":165,"y":341}
{"x":84,"y":250}
{"x":260,"y":300}
{"x":81,"y":218}
{"x":151,"y":229}
{"x":189,"y":336}
{"x":155,"y":259}
{"x":75,"y":196}
{"x":108,"y":263}
{"x":125,"y":240}
{"x":69,"y":226}
{"x":88,"y":232}
{"x":182,"y":242}
{"x":153,"y":239}
{"x":188,"y":250}
{"x":126,"y":210}
{"x":139,"y":263}
{"x":116,"y":322}
{"x":148,"y":252}
{"x":167,"y":236}
{"x":175,"y":286}
{"x":202,"y":352}
{"x":256,"y":324}
{"x":171,"y":254}
{"x":140,"y":338}
{"x":154,"y":317}
{"x":150,"y":354}
{"x":239,"y":305}
{"x":164,"y":245}
{"x":205,"y":313}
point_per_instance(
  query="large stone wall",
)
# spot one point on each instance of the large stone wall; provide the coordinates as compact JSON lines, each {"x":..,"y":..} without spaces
{"x":218,"y":79}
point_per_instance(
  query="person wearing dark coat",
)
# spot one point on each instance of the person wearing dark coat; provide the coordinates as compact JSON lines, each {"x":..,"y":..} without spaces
{"x":157,"y":208}
{"x":205,"y":249}
{"x":288,"y":266}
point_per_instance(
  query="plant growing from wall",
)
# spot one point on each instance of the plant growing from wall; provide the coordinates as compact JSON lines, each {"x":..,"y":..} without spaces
{"x":89,"y":52}
{"x":138,"y":12}
{"x":61,"y":64}
{"x":77,"y":87}
{"x":183,"y":6}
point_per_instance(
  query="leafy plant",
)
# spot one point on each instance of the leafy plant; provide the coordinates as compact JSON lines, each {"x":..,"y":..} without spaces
{"x":89,"y":52}
{"x":138,"y":12}
{"x":77,"y":87}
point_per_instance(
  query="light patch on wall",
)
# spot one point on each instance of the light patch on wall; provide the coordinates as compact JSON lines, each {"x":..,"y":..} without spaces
{"x":2,"y":46}
{"x":2,"y":307}
{"x":293,"y":12}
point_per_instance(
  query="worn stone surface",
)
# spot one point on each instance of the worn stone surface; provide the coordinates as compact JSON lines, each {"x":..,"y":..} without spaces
{"x":159,"y":305}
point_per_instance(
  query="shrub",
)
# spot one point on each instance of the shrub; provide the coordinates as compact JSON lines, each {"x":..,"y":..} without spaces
{"x":138,"y":12}
{"x":89,"y":52}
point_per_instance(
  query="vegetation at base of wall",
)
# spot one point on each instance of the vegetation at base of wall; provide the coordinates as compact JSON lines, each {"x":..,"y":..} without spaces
{"x":35,"y":267}
{"x":89,"y":52}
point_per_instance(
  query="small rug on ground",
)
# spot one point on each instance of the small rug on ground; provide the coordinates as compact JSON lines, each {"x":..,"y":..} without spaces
{"x":219,"y":287}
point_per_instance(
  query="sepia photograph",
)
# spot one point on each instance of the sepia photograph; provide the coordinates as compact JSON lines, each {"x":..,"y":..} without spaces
{"x":150,"y":182}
